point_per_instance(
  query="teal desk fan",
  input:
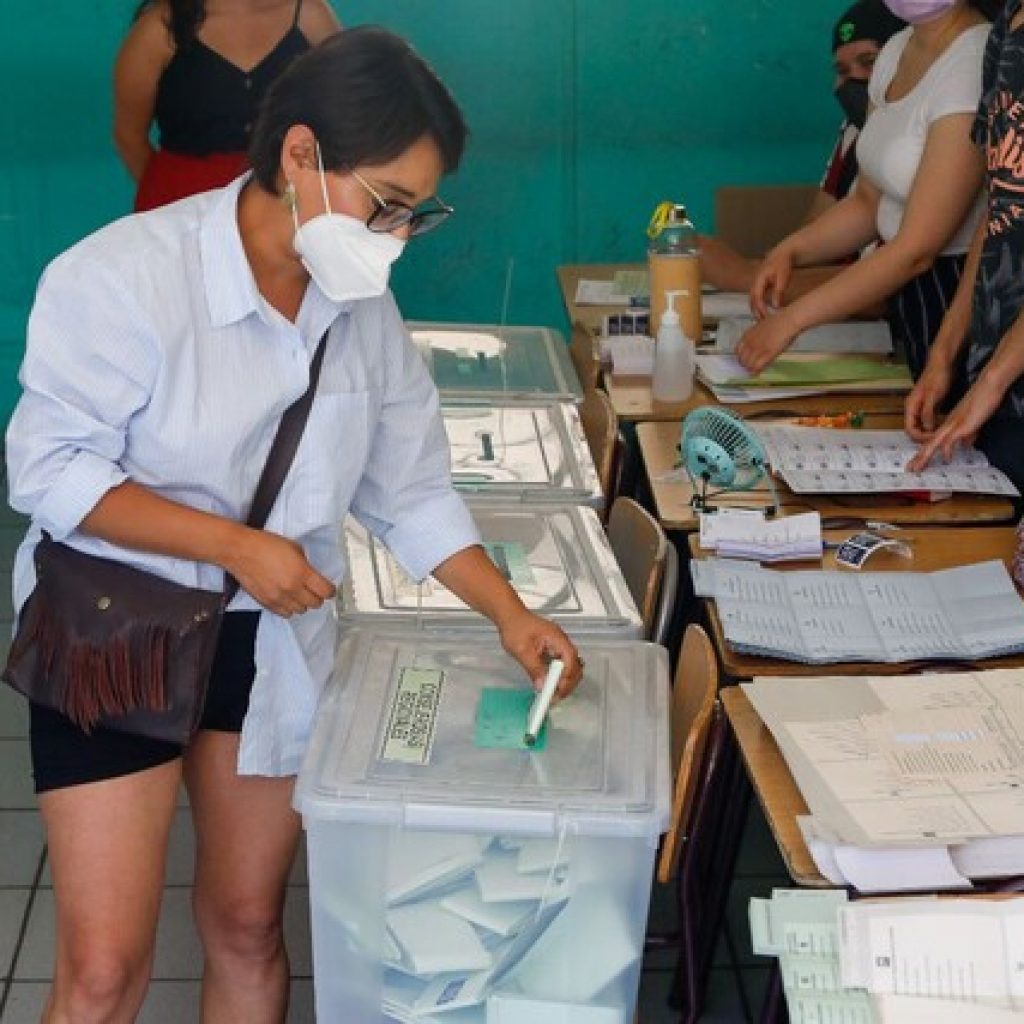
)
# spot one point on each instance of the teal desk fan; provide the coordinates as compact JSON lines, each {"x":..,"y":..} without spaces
{"x":719,"y":450}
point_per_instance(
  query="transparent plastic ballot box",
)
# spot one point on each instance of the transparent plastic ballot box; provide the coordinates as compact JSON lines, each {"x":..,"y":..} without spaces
{"x":483,"y":361}
{"x":454,"y":879}
{"x":557,"y":558}
{"x":530,"y":452}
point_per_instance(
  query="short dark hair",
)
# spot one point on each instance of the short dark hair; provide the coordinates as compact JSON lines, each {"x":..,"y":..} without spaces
{"x":367,"y":96}
{"x":991,"y":9}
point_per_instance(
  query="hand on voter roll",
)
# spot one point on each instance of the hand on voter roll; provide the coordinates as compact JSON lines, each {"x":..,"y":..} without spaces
{"x":275,"y":571}
{"x":961,"y":427}
{"x":533,"y":642}
{"x":764,"y":341}
{"x":768,"y":291}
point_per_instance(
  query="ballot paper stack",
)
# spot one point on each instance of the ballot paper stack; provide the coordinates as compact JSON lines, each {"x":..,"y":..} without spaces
{"x":451,"y":876}
{"x":912,"y":782}
{"x":799,"y":376}
{"x":824,"y":616}
{"x":815,"y":460}
{"x":907,"y":961}
{"x":747,"y":533}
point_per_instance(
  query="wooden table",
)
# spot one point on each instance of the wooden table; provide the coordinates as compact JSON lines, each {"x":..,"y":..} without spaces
{"x":569,"y":278}
{"x":934,"y":548}
{"x":774,"y":785}
{"x":633,"y":402}
{"x":672,"y":499}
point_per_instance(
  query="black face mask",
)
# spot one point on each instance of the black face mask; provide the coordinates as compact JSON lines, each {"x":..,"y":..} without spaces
{"x":852,"y":96}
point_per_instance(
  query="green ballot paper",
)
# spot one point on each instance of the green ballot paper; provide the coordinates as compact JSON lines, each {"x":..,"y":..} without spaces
{"x":501,"y":720}
{"x":808,"y":372}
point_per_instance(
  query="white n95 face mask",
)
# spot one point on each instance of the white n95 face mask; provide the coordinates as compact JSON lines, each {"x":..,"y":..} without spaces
{"x":343,"y":256}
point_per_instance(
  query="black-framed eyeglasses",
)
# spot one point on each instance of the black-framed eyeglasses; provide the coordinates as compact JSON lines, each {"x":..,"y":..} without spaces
{"x":391,"y":214}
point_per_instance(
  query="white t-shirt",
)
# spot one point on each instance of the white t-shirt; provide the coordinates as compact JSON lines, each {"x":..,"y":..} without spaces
{"x":892,"y":142}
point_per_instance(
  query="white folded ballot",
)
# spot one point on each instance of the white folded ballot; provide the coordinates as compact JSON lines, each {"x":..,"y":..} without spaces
{"x":745,"y":533}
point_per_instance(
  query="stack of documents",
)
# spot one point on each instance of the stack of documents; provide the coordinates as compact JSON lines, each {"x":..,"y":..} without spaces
{"x":920,"y":961}
{"x":624,"y":286}
{"x":912,"y":782}
{"x":815,"y":460}
{"x":746,"y":533}
{"x":797,"y":376}
{"x":864,"y":336}
{"x":827,"y":615}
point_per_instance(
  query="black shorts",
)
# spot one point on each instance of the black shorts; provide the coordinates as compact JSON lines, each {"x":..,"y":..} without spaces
{"x":64,"y":755}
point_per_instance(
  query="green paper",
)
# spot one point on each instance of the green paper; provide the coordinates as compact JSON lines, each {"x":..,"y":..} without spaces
{"x":797,"y":372}
{"x":501,"y":717}
{"x":512,"y":562}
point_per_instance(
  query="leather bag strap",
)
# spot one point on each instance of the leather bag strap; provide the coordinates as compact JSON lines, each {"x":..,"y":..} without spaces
{"x":282,"y":454}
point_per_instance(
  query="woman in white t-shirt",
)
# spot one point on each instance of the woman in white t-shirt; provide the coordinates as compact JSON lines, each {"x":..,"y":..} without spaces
{"x":919,"y":191}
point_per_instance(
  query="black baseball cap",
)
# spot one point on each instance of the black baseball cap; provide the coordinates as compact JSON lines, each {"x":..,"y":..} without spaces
{"x":866,"y":19}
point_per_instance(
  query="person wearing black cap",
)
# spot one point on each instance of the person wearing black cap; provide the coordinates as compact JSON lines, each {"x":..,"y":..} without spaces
{"x":857,"y":38}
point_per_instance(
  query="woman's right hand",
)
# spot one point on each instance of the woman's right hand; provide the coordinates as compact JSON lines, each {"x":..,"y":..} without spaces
{"x":771,"y":281}
{"x":275,"y":571}
{"x":919,"y":411}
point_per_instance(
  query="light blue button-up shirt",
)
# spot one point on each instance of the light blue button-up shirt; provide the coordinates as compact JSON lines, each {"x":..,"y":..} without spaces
{"x":152,"y":357}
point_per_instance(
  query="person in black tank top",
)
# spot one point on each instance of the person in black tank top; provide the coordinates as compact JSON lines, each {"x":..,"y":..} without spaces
{"x":198,"y":71}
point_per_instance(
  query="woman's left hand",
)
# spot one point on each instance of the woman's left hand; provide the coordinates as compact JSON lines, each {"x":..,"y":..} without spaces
{"x":533,"y":642}
{"x":764,"y":341}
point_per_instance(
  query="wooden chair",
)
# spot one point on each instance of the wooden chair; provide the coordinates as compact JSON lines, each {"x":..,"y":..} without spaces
{"x":693,"y":706}
{"x":752,"y":218}
{"x":584,"y":358}
{"x":641,"y":549}
{"x":601,"y":428}
{"x":697,"y":733}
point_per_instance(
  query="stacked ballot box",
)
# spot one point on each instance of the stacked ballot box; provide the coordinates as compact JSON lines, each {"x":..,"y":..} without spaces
{"x":485,"y":361}
{"x":458,"y":876}
{"x":556,"y":557}
{"x":521,"y":451}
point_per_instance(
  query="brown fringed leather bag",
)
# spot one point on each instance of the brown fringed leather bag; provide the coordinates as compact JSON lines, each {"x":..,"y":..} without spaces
{"x":114,"y":646}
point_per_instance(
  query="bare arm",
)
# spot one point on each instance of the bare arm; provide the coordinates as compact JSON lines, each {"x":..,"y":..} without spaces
{"x":144,"y":54}
{"x":945,"y":188}
{"x":317,"y":21}
{"x":271,"y":568}
{"x":937,"y":377}
{"x":531,"y":640}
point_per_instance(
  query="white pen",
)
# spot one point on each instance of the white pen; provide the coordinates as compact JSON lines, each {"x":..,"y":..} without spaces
{"x":541,"y":703}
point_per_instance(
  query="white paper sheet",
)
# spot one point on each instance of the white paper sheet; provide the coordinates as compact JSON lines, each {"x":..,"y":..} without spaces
{"x":867,"y":336}
{"x":823,"y":616}
{"x":817,"y":459}
{"x":738,"y":533}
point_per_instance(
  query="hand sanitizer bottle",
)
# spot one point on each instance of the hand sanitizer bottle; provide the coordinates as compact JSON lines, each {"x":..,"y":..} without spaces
{"x":674,"y":362}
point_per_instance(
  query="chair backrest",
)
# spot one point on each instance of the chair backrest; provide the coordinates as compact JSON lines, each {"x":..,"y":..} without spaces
{"x":753,"y":218}
{"x":584,"y":358}
{"x":693,"y":705}
{"x":667,"y":591}
{"x":640,"y":548}
{"x":601,"y":428}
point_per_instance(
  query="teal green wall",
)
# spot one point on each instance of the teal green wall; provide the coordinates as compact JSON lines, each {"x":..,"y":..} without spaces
{"x":585,"y":113}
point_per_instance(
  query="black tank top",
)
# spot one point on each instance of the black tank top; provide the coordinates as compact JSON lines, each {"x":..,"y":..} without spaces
{"x":206,"y":104}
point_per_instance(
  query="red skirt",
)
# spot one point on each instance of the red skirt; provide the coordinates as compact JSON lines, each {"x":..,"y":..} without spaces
{"x":172,"y":176}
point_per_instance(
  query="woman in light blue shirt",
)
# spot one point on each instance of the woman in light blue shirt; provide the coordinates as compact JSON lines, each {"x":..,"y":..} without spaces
{"x":161,"y":353}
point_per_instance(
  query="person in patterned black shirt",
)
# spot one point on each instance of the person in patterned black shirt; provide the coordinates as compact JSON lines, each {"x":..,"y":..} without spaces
{"x":984,"y":325}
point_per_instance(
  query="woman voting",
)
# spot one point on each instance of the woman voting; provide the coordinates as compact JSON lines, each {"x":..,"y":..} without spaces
{"x":162,"y":351}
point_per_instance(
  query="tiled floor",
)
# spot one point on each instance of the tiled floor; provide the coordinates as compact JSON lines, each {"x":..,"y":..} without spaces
{"x":26,"y":899}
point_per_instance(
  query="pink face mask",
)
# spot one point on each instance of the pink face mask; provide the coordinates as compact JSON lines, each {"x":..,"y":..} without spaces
{"x":917,"y":11}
